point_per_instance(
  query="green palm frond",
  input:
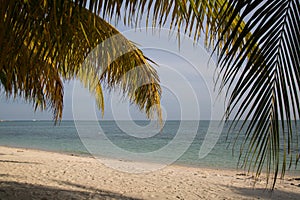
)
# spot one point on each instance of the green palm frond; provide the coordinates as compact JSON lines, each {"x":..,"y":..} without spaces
{"x":41,"y":85}
{"x":267,"y":74}
{"x":60,"y":35}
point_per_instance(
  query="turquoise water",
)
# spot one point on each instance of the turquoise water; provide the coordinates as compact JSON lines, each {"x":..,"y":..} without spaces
{"x":64,"y":138}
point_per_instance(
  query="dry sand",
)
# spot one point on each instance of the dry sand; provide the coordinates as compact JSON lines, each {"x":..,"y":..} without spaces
{"x":32,"y":174}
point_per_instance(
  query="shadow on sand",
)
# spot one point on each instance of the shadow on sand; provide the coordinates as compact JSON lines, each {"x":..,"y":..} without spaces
{"x":258,"y":193}
{"x":15,"y":190}
{"x":18,"y":162}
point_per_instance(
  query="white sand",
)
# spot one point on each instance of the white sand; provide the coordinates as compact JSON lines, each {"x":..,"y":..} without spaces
{"x":32,"y":174}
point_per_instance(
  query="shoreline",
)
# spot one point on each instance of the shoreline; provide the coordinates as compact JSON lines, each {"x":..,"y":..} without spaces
{"x":88,"y":155}
{"x":101,"y":158}
{"x":41,"y":174}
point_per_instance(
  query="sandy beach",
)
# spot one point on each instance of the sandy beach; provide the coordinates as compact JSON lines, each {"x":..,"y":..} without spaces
{"x":34,"y":174}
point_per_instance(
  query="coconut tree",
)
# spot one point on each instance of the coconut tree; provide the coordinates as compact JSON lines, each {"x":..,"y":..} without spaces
{"x":257,"y":44}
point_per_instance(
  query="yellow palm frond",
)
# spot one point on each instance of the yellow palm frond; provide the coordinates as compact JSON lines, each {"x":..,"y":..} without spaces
{"x":61,"y":36}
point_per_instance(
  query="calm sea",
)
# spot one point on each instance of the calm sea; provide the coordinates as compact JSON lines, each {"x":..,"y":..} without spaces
{"x":115,"y":136}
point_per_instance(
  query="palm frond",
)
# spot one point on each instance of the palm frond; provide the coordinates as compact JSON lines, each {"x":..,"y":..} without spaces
{"x":268,"y":83}
{"x":41,"y":86}
{"x":61,"y":34}
{"x":195,"y":17}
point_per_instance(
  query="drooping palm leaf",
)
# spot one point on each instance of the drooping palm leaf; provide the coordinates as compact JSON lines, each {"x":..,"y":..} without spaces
{"x":41,"y":85}
{"x":267,"y":74}
{"x":19,"y":75}
{"x":60,"y":35}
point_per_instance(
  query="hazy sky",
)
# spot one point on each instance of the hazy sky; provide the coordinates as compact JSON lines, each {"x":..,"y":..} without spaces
{"x":186,"y":76}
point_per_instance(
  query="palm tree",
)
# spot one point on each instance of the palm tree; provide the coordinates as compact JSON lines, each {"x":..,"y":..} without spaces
{"x":257,"y":44}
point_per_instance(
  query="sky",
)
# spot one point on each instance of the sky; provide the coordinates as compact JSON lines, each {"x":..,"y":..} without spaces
{"x":186,"y":75}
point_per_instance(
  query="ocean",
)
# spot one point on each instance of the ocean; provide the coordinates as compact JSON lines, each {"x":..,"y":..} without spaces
{"x":191,"y":143}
